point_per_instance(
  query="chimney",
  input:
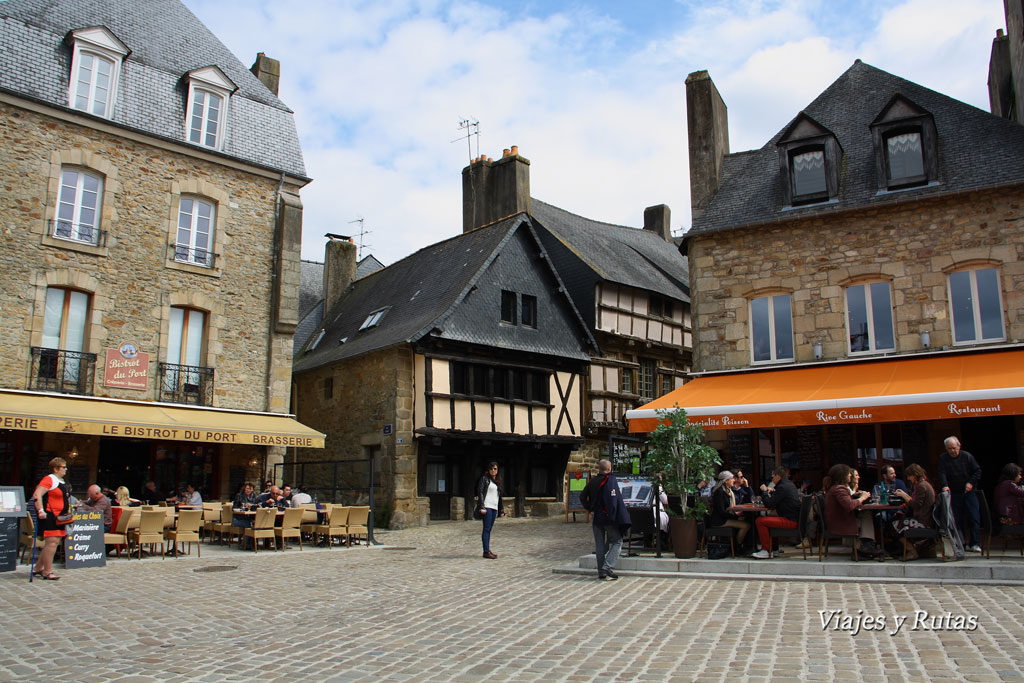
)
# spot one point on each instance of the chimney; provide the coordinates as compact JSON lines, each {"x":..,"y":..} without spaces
{"x":658,"y":219}
{"x":267,"y":70}
{"x":1000,"y":79}
{"x":707,"y":125}
{"x":492,"y":190}
{"x":339,"y":268}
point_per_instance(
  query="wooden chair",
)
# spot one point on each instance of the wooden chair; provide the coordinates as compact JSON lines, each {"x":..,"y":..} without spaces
{"x":290,"y":527}
{"x":357,"y":520}
{"x":336,"y":524}
{"x":262,"y":527}
{"x":186,"y":531}
{"x":825,"y":535}
{"x":150,"y":531}
{"x":800,"y":532}
{"x":118,"y":536}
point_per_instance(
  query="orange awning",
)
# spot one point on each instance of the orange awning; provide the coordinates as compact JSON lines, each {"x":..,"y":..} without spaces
{"x":894,"y":390}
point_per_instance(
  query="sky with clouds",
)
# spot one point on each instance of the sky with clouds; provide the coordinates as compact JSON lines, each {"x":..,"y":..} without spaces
{"x":592,"y":92}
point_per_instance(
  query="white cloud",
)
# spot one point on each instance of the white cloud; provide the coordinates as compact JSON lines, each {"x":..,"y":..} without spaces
{"x":378,"y":88}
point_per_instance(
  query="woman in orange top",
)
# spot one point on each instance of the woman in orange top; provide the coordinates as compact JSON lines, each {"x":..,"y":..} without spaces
{"x":52,"y":498}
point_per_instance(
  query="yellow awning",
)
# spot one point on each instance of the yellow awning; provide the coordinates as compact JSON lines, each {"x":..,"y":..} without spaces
{"x":139,"y":420}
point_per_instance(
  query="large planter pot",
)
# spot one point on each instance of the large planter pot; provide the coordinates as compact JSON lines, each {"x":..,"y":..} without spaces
{"x":683,"y":533}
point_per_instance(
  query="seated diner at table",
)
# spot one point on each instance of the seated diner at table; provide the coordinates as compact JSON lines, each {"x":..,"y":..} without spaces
{"x":785,"y":501}
{"x":271,"y":498}
{"x":123,"y":498}
{"x":1009,"y":496}
{"x":149,"y":494}
{"x":741,"y":489}
{"x":245,"y":500}
{"x":842,"y":512}
{"x":917,"y":512}
{"x":722,"y":498}
{"x":191,"y":496}
{"x":95,"y":501}
{"x":301,"y":497}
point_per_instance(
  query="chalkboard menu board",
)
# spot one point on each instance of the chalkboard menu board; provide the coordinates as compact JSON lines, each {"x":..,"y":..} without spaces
{"x":9,"y":543}
{"x":840,"y":446}
{"x":808,"y":447}
{"x":577,"y":481}
{"x":741,"y":450}
{"x":78,"y":478}
{"x":915,"y":444}
{"x":83,"y":546}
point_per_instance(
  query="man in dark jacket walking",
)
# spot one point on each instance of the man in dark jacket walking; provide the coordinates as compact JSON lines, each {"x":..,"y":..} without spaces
{"x":611,"y":518}
{"x":960,"y":474}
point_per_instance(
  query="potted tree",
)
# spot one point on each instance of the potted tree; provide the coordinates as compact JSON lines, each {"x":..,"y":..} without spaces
{"x":677,"y":451}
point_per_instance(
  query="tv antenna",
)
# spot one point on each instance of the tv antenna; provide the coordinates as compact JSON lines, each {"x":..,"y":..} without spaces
{"x":362,"y":231}
{"x":472,"y":128}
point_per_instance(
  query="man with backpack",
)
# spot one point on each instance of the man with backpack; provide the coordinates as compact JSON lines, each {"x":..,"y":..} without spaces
{"x":611,"y":518}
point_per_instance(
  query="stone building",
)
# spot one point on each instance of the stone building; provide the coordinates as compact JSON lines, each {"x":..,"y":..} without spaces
{"x":151,"y":223}
{"x":857,"y":282}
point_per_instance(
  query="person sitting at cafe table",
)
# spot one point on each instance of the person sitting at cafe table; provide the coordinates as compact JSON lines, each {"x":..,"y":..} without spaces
{"x":1009,"y":496}
{"x":149,"y":495}
{"x":95,"y":501}
{"x":722,"y":498}
{"x":917,"y":512}
{"x":245,"y":500}
{"x":123,"y":498}
{"x":270,"y":499}
{"x":191,"y":496}
{"x":286,"y":495}
{"x":842,"y":508}
{"x":301,"y":497}
{"x":785,"y":501}
{"x":741,"y":489}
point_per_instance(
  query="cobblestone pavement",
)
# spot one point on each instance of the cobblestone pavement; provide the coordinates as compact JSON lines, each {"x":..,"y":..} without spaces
{"x":431,"y":609}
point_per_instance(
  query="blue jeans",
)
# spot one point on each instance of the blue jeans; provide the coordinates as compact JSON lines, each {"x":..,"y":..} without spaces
{"x":608,"y":543}
{"x":966,"y":514}
{"x":485,"y":536}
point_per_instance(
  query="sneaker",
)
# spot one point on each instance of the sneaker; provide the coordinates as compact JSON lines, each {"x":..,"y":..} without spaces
{"x":974,"y":548}
{"x":762,"y":555}
{"x":601,"y":576}
{"x":612,"y":575}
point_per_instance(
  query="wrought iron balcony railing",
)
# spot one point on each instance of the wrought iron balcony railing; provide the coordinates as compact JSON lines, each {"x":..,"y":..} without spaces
{"x":197,"y":257}
{"x":69,"y":372}
{"x":78,"y":232}
{"x":190,"y":384}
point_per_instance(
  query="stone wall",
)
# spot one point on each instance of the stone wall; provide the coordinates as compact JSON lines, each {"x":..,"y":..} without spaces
{"x":368,"y":393}
{"x":912,"y":244}
{"x":133,"y":280}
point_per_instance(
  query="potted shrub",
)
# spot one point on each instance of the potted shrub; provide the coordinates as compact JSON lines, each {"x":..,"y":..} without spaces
{"x":678,"y":453}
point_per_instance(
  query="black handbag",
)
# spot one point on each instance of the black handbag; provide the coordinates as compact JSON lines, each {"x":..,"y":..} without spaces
{"x":477,"y":514}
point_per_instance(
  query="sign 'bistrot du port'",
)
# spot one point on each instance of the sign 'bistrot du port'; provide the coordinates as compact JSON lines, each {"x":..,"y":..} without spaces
{"x":126,"y":368}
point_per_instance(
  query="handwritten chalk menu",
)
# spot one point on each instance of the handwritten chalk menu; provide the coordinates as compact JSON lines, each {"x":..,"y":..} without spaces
{"x":741,"y":450}
{"x":9,"y":543}
{"x":808,"y":446}
{"x":83,"y":546}
{"x":577,"y":482}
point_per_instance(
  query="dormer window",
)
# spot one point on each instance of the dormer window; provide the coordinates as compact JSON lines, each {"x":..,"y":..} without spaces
{"x":904,"y":139}
{"x":96,"y":58}
{"x":809,"y":156}
{"x":209,"y":91}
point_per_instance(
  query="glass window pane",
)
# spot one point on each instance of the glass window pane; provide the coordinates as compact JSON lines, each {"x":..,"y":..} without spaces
{"x":991,"y":313}
{"x":856,"y":303}
{"x":963,"y":306}
{"x":783,"y":327}
{"x":174,"y":335}
{"x":905,"y":160}
{"x":809,"y":173}
{"x":53,"y":318}
{"x":77,"y":308}
{"x":194,"y":347}
{"x":881,"y":315}
{"x":760,"y":328}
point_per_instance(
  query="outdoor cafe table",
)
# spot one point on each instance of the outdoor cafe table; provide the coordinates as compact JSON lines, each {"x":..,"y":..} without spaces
{"x":876,"y":510}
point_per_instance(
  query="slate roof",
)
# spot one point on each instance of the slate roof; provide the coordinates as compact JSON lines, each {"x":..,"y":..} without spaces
{"x":311,"y":296}
{"x":166,"y":41}
{"x":617,"y":253}
{"x":421,"y":290}
{"x":975,"y":150}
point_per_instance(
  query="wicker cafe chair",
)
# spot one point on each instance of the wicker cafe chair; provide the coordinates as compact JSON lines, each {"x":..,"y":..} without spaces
{"x":150,"y":531}
{"x":290,"y":527}
{"x":118,"y":536}
{"x":186,"y":531}
{"x":800,"y":532}
{"x":211,"y":515}
{"x":336,"y":524}
{"x":310,"y":519}
{"x":262,"y":527}
{"x":357,"y":519}
{"x":226,"y":524}
{"x":826,"y":535}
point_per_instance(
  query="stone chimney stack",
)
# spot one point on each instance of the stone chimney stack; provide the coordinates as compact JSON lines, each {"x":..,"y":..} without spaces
{"x":707,"y":125}
{"x":658,"y":219}
{"x":492,"y":190}
{"x":339,"y":268}
{"x":267,"y":70}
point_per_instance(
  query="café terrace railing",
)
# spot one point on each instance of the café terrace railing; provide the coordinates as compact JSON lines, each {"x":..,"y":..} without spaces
{"x":68,"y":372}
{"x":190,"y":384}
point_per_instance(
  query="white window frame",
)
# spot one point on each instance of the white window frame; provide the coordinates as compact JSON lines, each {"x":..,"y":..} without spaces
{"x":95,"y":43}
{"x":66,"y":326}
{"x":186,"y":345}
{"x":190,"y":254}
{"x":771,"y":330}
{"x":975,"y":309}
{"x":208,"y":82}
{"x":75,"y":224}
{"x":869,"y":314}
